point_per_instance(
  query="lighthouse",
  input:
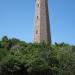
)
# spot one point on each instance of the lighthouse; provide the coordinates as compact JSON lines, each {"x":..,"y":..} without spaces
{"x":42,"y":23}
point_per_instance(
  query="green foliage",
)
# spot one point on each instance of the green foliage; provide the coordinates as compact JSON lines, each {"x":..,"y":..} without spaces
{"x":36,"y":59}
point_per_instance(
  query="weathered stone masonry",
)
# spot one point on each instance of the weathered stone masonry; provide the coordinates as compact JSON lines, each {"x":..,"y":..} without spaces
{"x":42,"y":24}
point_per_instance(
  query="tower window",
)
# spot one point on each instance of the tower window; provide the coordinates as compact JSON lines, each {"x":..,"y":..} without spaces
{"x":37,"y":17}
{"x":36,"y":31}
{"x":38,"y":5}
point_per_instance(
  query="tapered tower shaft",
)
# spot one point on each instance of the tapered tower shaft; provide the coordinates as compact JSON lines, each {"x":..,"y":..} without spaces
{"x":42,"y":24}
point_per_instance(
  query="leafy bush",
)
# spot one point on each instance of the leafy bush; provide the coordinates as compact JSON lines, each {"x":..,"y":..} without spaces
{"x":21,"y":58}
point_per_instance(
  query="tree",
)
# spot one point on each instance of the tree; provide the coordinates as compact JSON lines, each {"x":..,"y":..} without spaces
{"x":66,"y":60}
{"x":20,"y":58}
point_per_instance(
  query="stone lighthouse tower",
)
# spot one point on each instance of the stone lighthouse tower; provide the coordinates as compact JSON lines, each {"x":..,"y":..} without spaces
{"x":42,"y":24}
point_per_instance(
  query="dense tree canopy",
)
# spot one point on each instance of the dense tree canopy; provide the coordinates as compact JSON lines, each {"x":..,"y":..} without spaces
{"x":21,"y":58}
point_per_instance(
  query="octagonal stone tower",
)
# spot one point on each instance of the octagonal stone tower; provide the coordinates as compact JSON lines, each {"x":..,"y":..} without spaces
{"x":42,"y":24}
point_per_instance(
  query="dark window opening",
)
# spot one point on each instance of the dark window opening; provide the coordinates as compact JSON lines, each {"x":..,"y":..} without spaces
{"x":38,"y":5}
{"x":37,"y":17}
{"x":36,"y":31}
